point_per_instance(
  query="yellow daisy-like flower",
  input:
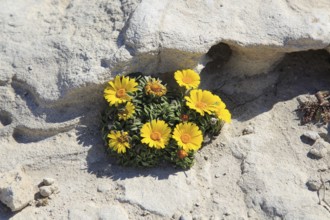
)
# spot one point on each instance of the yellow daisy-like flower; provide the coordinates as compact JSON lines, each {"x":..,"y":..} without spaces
{"x":221,"y":112}
{"x":219,"y":103}
{"x":117,"y":90}
{"x":119,"y":141}
{"x":188,"y":136}
{"x":155,"y":87}
{"x":187,"y":78}
{"x":201,"y":101}
{"x":127,"y":112}
{"x":156,"y":134}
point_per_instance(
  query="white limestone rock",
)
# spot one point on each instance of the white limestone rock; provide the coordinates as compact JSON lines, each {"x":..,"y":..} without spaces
{"x":313,"y":184}
{"x":259,"y":38}
{"x":90,"y":211}
{"x":320,"y":148}
{"x":163,"y":197}
{"x":48,"y":181}
{"x":56,"y":56}
{"x":114,"y":212}
{"x":312,"y":135}
{"x":61,"y":48}
{"x":16,"y":189}
{"x":46,"y":191}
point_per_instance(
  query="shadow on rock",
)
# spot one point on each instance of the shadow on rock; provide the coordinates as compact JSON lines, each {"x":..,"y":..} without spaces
{"x":5,"y":212}
{"x":298,"y":73}
{"x":306,"y":140}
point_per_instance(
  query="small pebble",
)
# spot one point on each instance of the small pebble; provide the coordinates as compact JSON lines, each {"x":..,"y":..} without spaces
{"x":319,"y":148}
{"x":313,"y":185}
{"x":102,"y":188}
{"x":248,"y":130}
{"x":46,"y":191}
{"x":312,"y":135}
{"x":48,"y":181}
{"x":320,"y":153}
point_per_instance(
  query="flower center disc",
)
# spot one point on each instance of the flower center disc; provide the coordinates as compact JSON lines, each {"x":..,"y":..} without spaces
{"x":187,"y":80}
{"x":124,"y":112}
{"x":155,"y":88}
{"x":122,"y":139}
{"x":156,"y":136}
{"x":120,"y":93}
{"x":201,"y":105}
{"x":185,"y":138}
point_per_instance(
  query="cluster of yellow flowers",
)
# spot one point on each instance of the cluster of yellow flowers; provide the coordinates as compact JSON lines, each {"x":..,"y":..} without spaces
{"x":157,"y":133}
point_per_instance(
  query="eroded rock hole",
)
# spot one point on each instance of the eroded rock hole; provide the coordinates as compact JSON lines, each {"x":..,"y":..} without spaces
{"x":220,"y":55}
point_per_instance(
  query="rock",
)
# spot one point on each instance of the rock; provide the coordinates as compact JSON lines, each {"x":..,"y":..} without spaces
{"x":248,"y":130}
{"x":113,"y":212}
{"x":311,"y":135}
{"x":185,"y":217}
{"x":57,"y":55}
{"x":48,"y":181}
{"x":30,"y":213}
{"x":320,"y":148}
{"x":102,"y":188}
{"x":313,"y":185}
{"x":179,"y":195}
{"x":77,"y":214}
{"x":46,"y":191}
{"x":143,"y":33}
{"x":140,"y":34}
{"x":306,"y":98}
{"x":90,"y":211}
{"x":16,"y":189}
{"x":320,"y":153}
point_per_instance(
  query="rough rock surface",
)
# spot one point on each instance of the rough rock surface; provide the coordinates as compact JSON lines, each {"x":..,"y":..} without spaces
{"x":176,"y":193}
{"x":56,"y":55}
{"x":16,"y":189}
{"x":91,"y":212}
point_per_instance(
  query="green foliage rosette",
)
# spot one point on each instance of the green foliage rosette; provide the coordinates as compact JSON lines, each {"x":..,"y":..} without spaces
{"x":146,"y":123}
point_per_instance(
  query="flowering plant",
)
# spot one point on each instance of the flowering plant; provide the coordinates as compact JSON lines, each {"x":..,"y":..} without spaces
{"x":148,"y":122}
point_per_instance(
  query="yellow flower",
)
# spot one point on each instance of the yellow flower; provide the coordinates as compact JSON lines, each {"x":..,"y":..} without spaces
{"x":223,"y":114}
{"x":201,"y":101}
{"x":155,"y":133}
{"x":188,"y":136}
{"x":119,"y":141}
{"x":187,"y":78}
{"x":118,"y":89}
{"x":155,"y":87}
{"x":126,"y":112}
{"x":219,"y":103}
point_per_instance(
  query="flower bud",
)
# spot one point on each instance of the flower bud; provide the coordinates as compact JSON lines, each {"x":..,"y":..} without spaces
{"x":182,"y":154}
{"x":184,"y":117}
